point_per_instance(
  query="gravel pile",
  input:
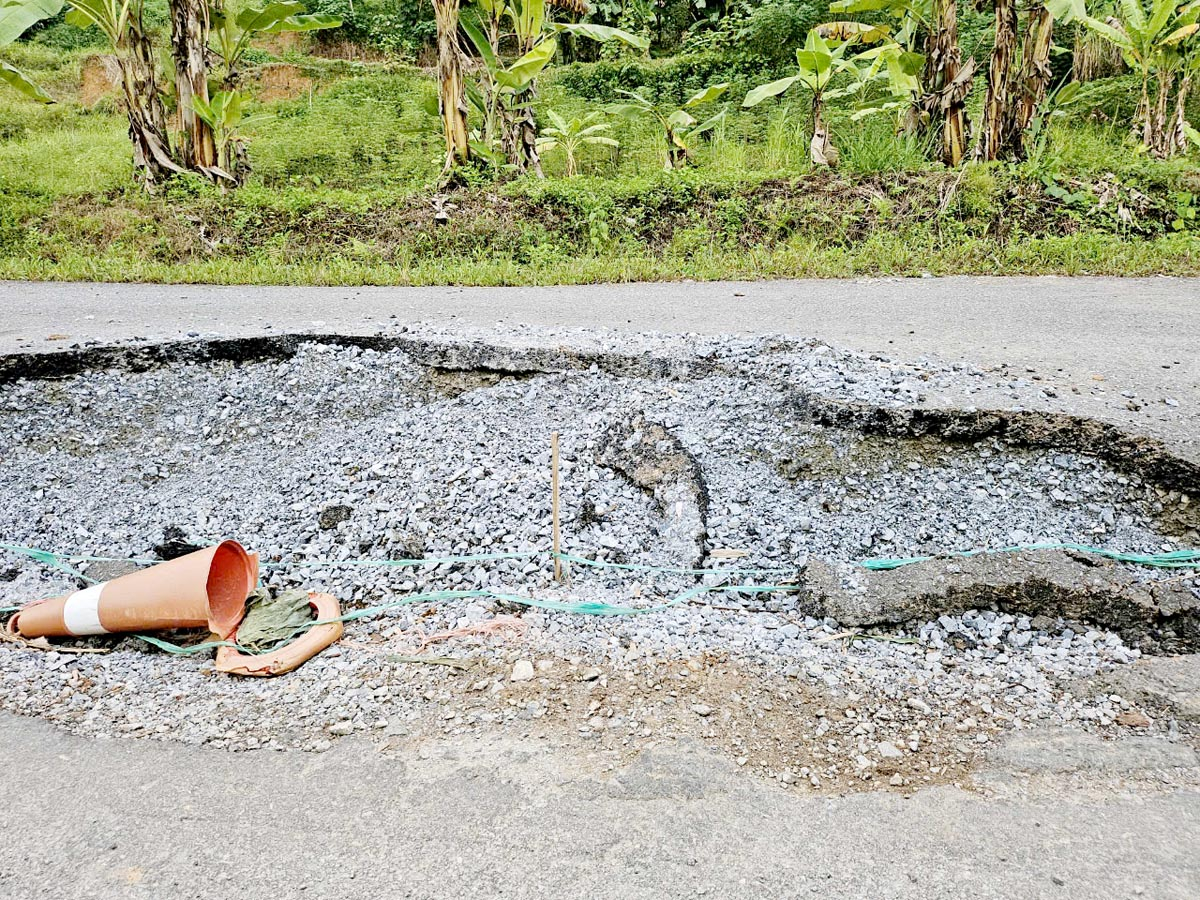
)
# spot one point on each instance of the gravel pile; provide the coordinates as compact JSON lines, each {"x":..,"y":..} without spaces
{"x":341,"y":454}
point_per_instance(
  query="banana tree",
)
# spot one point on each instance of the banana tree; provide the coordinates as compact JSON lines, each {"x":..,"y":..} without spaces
{"x":930,"y":27}
{"x":122,"y":23}
{"x":572,"y":136}
{"x":452,"y":104}
{"x":1182,"y":48}
{"x":1018,"y":73}
{"x":995,"y":130}
{"x":232,"y":30}
{"x":1182,"y":133}
{"x":505,"y":95}
{"x":948,"y":83}
{"x":817,"y":62}
{"x":507,"y":92}
{"x":189,"y":50}
{"x":1033,"y":77}
{"x":225,"y":115}
{"x":678,"y":125}
{"x":15,"y":18}
{"x":1156,"y":39}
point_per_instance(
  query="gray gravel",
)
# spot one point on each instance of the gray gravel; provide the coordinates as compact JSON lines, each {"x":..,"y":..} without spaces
{"x":339,"y":454}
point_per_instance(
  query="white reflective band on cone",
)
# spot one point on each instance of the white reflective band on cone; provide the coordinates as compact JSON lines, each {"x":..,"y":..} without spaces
{"x":81,"y":612}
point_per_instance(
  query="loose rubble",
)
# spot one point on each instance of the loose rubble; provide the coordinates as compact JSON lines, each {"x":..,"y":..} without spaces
{"x":676,"y":452}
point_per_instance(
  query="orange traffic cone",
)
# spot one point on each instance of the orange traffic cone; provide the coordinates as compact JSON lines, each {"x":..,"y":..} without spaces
{"x":207,"y":588}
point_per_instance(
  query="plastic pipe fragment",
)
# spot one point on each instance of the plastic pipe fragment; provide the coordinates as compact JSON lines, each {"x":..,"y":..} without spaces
{"x":289,"y":656}
{"x":205,"y":589}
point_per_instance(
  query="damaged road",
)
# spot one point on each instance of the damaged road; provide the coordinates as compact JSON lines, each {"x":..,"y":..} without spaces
{"x":1158,"y":617}
{"x":861,"y":733}
{"x":650,"y":456}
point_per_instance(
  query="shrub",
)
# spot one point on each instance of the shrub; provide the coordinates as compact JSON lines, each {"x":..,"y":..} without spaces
{"x":774,"y":30}
{"x":392,"y":26}
{"x":1110,"y":99}
{"x":668,"y":81}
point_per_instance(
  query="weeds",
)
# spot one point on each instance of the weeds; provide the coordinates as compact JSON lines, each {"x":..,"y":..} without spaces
{"x":872,"y":146}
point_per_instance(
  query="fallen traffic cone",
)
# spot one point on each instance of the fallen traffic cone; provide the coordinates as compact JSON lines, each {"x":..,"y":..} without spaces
{"x":205,"y":589}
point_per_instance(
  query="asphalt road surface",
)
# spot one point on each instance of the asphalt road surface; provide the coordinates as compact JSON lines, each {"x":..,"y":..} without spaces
{"x":1141,"y":334}
{"x":473,"y":818}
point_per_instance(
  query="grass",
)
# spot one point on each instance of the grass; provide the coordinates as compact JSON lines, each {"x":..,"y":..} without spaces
{"x":344,"y":175}
{"x":879,"y":255}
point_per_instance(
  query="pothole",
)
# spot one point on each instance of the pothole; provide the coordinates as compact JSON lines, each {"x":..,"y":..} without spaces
{"x":789,"y":459}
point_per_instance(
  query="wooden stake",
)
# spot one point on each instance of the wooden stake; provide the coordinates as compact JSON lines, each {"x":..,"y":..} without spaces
{"x":558,"y":569}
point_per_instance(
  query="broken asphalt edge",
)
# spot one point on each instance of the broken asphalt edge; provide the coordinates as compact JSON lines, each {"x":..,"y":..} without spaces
{"x":1174,"y":466}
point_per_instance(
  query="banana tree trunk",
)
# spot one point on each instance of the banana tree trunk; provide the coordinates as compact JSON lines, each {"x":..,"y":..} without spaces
{"x":152,"y":160}
{"x":520,"y":128}
{"x":1178,"y":139}
{"x":997,"y":106}
{"x":820,"y":149}
{"x":945,"y":105}
{"x":1035,"y":72}
{"x":452,"y":101}
{"x":1158,"y":134}
{"x":236,"y":161}
{"x":677,"y":151}
{"x":520,"y":134}
{"x":189,"y":44}
{"x":1143,"y":116}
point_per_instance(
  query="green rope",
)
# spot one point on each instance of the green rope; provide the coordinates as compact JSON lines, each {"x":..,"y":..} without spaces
{"x":54,"y":560}
{"x":1177,"y":559}
{"x":401,"y":563}
{"x":178,"y":650}
{"x":1172,"y":560}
